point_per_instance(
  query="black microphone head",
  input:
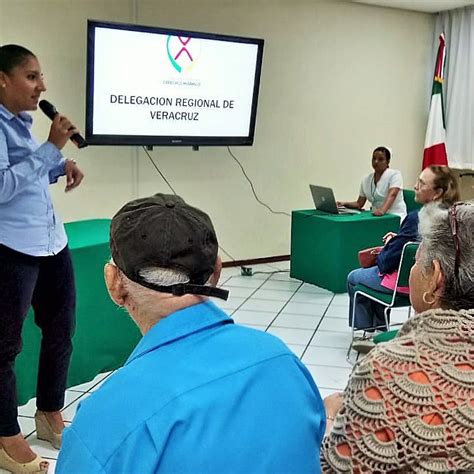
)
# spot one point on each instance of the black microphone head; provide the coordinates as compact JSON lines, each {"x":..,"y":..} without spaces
{"x":48,"y":108}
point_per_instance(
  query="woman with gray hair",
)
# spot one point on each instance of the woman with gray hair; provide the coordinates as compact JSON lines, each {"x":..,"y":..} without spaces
{"x":409,"y":405}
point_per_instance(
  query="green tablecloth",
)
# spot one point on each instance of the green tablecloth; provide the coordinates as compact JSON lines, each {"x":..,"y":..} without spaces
{"x":105,"y":335}
{"x":324,"y":247}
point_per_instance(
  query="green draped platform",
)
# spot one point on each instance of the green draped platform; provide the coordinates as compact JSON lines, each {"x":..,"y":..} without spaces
{"x":105,"y":335}
{"x":324,"y":247}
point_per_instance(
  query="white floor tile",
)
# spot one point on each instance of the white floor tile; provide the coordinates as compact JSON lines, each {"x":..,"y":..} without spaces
{"x":259,"y":318}
{"x":298,"y":349}
{"x":231,"y":303}
{"x":309,"y":288}
{"x":70,"y":412}
{"x":312,"y":298}
{"x":335,"y":324}
{"x":29,"y":409}
{"x":329,"y":356}
{"x":399,"y":315}
{"x":329,"y":377}
{"x":403,"y":311}
{"x":324,"y":392}
{"x":341,"y":299}
{"x":244,"y":282}
{"x":97,"y":386}
{"x":335,"y":311}
{"x":284,"y":277}
{"x":43,"y":448}
{"x":27,"y":425}
{"x":299,"y":321}
{"x":261,"y":275}
{"x":228,"y":272}
{"x":339,"y":340}
{"x":292,"y":336}
{"x":275,"y":295}
{"x":304,"y":308}
{"x":254,"y":304}
{"x":236,"y":291}
{"x":255,"y":326}
{"x":85,"y":387}
{"x":223,"y":281}
{"x":281,"y":285}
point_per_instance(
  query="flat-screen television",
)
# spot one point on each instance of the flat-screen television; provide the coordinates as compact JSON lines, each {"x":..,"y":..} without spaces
{"x":161,"y":86}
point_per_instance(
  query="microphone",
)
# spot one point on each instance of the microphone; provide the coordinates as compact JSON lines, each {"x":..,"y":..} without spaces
{"x":50,"y":111}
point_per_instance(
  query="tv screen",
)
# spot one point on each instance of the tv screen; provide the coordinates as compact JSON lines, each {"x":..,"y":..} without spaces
{"x":160,"y":86}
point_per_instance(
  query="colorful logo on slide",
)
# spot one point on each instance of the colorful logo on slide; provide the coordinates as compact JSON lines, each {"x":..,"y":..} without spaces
{"x":183,"y":52}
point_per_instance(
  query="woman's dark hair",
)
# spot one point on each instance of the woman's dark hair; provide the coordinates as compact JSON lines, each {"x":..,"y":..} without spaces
{"x":445,"y":180}
{"x":385,"y":151}
{"x":12,"y":55}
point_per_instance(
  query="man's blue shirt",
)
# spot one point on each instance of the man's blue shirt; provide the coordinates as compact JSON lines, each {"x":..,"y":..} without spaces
{"x":200,"y":395}
{"x":28,"y":222}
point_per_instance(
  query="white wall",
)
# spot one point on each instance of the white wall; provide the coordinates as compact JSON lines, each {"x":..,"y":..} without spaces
{"x":338,"y":79}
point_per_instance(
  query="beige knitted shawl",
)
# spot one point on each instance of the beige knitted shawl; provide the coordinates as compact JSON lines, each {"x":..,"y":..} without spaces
{"x":409,"y":405}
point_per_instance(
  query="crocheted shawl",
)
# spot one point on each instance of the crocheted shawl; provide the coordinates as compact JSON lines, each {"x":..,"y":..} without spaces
{"x":409,"y":404}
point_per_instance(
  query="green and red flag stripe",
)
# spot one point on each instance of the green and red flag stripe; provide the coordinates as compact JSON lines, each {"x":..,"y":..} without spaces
{"x":435,"y":139}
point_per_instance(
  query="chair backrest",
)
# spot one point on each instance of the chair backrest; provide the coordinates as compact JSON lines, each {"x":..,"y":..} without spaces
{"x":409,"y":198}
{"x":406,"y":262}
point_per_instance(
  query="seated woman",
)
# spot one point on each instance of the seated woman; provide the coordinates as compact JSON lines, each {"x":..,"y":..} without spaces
{"x":382,"y":187}
{"x":409,"y":404}
{"x":435,"y":183}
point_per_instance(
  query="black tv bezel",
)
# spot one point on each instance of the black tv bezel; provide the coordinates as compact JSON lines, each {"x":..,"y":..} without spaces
{"x":164,"y":140}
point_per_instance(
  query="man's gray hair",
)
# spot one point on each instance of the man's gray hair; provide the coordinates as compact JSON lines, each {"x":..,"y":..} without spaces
{"x":163,"y":276}
{"x":146,"y":297}
{"x":439,"y":244}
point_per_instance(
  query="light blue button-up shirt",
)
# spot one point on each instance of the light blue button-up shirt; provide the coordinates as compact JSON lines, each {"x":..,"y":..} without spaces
{"x":28,"y":222}
{"x":200,"y":395}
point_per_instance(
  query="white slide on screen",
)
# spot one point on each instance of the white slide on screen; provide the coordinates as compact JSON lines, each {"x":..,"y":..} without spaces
{"x":157,"y":84}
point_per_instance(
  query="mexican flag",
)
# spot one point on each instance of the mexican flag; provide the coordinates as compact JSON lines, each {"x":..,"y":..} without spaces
{"x":435,"y":139}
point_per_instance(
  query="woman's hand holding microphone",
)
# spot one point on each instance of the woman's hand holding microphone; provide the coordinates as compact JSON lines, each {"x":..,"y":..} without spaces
{"x":60,"y":132}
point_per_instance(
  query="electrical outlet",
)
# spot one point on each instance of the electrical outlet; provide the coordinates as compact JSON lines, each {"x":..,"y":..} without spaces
{"x":246,"y":271}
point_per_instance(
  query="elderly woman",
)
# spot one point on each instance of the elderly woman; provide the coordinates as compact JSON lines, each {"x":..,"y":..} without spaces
{"x":435,"y":183}
{"x":409,"y":404}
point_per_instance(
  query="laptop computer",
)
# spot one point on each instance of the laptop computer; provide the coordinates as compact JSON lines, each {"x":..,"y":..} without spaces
{"x":324,"y":201}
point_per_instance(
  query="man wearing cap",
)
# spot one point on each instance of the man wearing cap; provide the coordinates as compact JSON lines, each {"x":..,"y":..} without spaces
{"x":199,"y":394}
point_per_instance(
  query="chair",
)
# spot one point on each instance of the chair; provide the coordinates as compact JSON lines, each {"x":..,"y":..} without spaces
{"x":409,"y":198}
{"x":389,"y":300}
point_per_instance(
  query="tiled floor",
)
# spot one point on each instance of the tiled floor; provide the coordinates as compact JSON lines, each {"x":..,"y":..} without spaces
{"x":311,"y":320}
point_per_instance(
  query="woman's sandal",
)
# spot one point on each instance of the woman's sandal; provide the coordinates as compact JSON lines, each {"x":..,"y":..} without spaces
{"x":38,"y":465}
{"x":45,"y":432}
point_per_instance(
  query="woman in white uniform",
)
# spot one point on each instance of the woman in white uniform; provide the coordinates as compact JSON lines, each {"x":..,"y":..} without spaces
{"x":382,"y":188}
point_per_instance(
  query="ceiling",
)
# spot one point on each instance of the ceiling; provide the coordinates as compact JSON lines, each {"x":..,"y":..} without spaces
{"x":430,"y":6}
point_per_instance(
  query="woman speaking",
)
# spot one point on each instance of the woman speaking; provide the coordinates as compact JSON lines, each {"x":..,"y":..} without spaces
{"x":382,"y":188}
{"x":35,"y":264}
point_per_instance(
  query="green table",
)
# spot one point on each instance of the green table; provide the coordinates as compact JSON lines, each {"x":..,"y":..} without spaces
{"x":324,"y":247}
{"x":105,"y":335}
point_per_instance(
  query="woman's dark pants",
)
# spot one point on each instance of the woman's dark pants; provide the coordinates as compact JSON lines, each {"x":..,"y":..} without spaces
{"x":47,"y":284}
